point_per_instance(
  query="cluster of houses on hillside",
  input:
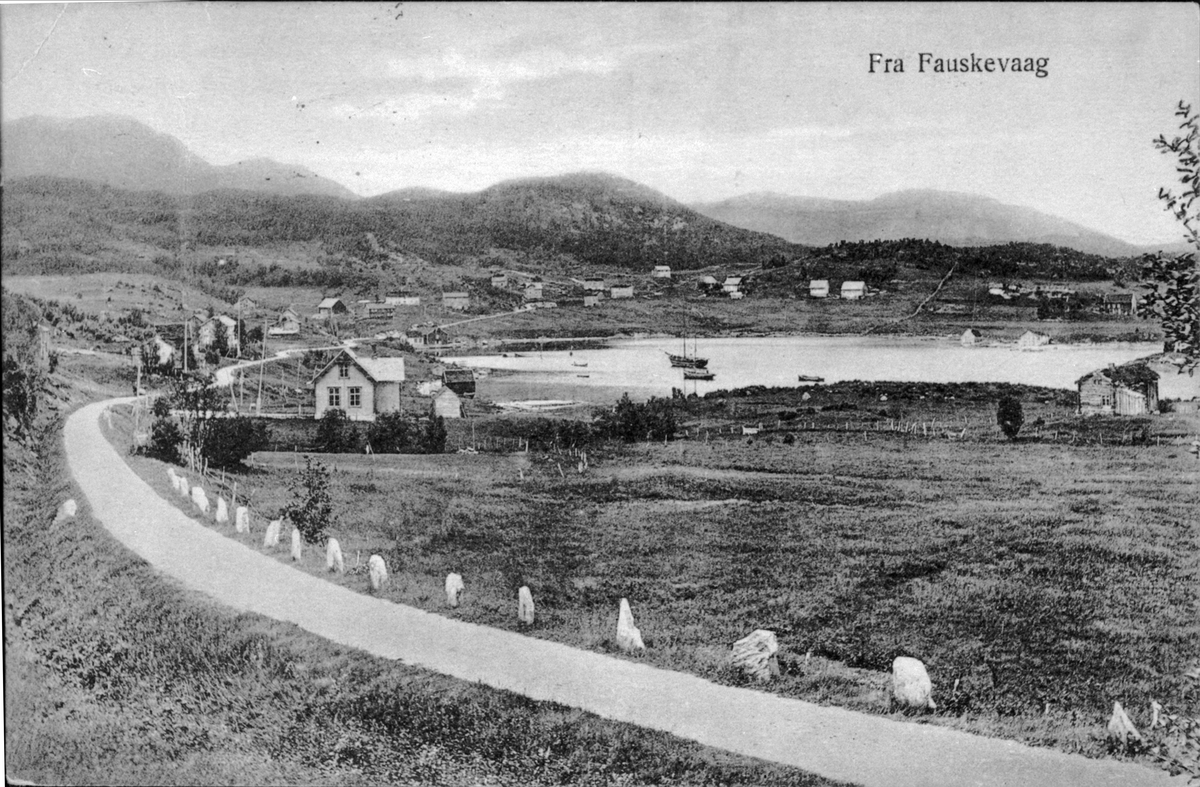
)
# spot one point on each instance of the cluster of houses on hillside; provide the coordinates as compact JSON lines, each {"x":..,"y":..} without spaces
{"x":1118,"y":303}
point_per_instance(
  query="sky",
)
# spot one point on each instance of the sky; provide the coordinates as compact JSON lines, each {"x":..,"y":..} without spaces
{"x":699,"y":101}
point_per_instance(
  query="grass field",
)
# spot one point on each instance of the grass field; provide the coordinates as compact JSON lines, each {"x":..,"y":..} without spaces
{"x":114,"y":675}
{"x":1039,"y":581}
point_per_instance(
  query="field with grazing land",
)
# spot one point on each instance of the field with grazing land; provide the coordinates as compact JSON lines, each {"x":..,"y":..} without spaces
{"x":1040,"y":580}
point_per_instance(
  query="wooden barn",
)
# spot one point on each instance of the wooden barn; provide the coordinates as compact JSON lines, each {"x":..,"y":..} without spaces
{"x":818,"y":288}
{"x":970,"y":337}
{"x":331,"y":306}
{"x":1129,"y":389}
{"x":447,"y":404}
{"x":460,"y":380}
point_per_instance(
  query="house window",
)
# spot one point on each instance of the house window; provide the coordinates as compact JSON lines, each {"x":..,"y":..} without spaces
{"x":355,"y":396}
{"x":343,"y":370}
{"x":335,"y":397}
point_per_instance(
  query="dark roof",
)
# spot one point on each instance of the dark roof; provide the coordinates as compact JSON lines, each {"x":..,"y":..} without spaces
{"x":1119,"y":297}
{"x":457,"y":374}
{"x":1130,"y":374}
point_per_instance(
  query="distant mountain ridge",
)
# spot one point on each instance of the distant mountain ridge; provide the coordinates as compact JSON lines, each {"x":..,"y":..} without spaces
{"x":119,"y":151}
{"x":954,"y":218}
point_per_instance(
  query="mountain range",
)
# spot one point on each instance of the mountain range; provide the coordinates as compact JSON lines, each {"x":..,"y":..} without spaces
{"x":949,"y":217}
{"x":567,"y":212}
{"x":122,"y":152}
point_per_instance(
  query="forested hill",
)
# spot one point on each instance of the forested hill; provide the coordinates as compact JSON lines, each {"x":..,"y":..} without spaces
{"x":596,"y":219}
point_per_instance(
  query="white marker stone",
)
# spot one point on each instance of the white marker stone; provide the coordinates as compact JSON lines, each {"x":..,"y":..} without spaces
{"x":454,"y":589}
{"x":297,"y":545}
{"x":184,"y":487}
{"x":525,"y":605}
{"x":174,"y":479}
{"x":241,"y":519}
{"x":333,"y":557}
{"x":271,"y":537}
{"x":222,"y":510}
{"x":378,"y":571}
{"x":65,"y":511}
{"x":756,"y":654}
{"x":1120,"y":728}
{"x":911,"y":685}
{"x":628,"y":636}
{"x":200,"y":499}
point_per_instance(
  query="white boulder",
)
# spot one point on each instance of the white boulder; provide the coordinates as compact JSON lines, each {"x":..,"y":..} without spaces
{"x":628,"y":636}
{"x":271,"y":537}
{"x":65,"y":511}
{"x":525,"y":605}
{"x":200,"y":499}
{"x":333,"y":557}
{"x":755,"y":654}
{"x":241,"y":519}
{"x":454,"y":589}
{"x":1120,"y":728}
{"x":297,"y":545}
{"x":378,"y":571}
{"x":911,"y":686}
{"x":222,"y":510}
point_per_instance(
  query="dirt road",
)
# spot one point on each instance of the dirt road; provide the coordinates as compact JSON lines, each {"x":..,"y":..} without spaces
{"x":836,"y":743}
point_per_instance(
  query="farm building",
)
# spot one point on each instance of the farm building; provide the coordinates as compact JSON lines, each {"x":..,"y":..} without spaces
{"x":708,"y":284}
{"x":209,"y":328}
{"x":1032,"y":339}
{"x":288,"y":324}
{"x":732,"y":283}
{"x":246,"y":305}
{"x":447,"y":404}
{"x":736,"y":295}
{"x":426,"y":336}
{"x":1129,"y":389}
{"x":661,"y":272}
{"x":853,"y":290}
{"x":499,"y":281}
{"x":970,"y":337}
{"x":362,"y":387}
{"x":591,"y":300}
{"x":818,"y":288}
{"x":331,"y":306}
{"x":1054,"y":291}
{"x":593,"y":284}
{"x":1120,"y":303}
{"x":620,"y":291}
{"x":378,"y":311}
{"x":402,"y":299}
{"x":459,"y":301}
{"x":533,"y":291}
{"x":460,"y":380}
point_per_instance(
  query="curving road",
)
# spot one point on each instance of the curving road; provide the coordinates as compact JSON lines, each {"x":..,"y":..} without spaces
{"x":835,"y":743}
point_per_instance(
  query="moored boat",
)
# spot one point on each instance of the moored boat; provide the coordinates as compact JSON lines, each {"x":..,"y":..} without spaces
{"x":687,"y":361}
{"x":697,"y":374}
{"x":808,"y":378}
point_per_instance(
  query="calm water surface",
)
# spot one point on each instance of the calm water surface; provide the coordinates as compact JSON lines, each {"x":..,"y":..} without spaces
{"x":640,"y":366}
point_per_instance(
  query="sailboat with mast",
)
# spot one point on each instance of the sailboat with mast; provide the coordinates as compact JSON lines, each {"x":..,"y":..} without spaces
{"x":685,"y":361}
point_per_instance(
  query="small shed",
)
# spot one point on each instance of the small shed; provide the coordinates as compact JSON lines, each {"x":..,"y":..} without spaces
{"x":1032,"y":339}
{"x":533,"y":291}
{"x":853,"y":290}
{"x":331,"y":306}
{"x":818,"y":288}
{"x":591,"y":300}
{"x":593,"y":284}
{"x":459,"y":301}
{"x":1129,"y":389}
{"x":708,"y":284}
{"x":732,"y":283}
{"x":426,"y":336}
{"x":459,"y":379}
{"x":970,"y":337}
{"x":618,"y":291}
{"x":246,"y":305}
{"x":499,"y":281}
{"x":447,"y":404}
{"x":288,"y":324}
{"x":736,"y":295}
{"x":661,"y":272}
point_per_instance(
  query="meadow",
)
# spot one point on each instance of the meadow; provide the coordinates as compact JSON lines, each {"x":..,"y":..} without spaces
{"x":1040,"y":581}
{"x":116,"y":675}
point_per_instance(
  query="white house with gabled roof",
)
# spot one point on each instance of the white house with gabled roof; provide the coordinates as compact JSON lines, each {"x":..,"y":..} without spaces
{"x":362,"y":387}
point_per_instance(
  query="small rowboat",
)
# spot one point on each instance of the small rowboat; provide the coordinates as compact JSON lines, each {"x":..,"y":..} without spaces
{"x":808,"y":378}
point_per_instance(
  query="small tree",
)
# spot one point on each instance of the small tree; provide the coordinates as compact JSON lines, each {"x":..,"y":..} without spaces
{"x":391,"y":433}
{"x":231,"y":441}
{"x":311,"y":508}
{"x":433,"y":440}
{"x":1172,"y":281}
{"x":336,"y":433}
{"x":1010,"y":416}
